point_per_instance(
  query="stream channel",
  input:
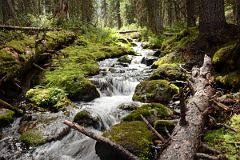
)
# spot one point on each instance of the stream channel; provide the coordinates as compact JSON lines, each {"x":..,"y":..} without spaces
{"x":116,"y":84}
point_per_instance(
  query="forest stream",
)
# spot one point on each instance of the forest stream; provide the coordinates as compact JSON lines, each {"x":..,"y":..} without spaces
{"x":116,"y":84}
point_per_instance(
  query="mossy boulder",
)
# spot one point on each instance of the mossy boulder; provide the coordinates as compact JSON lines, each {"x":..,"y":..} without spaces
{"x":224,"y":57}
{"x":134,"y":136}
{"x":86,"y":119}
{"x":169,"y":72}
{"x":39,"y":128}
{"x":230,"y":80}
{"x":151,"y":111}
{"x":32,"y":138}
{"x":179,"y":40}
{"x":125,"y":59}
{"x":159,"y":91}
{"x":224,"y":139}
{"x":169,"y":58}
{"x":6,"y":117}
{"x":50,"y":98}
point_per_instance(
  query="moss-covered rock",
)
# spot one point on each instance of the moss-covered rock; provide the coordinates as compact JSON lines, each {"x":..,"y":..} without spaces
{"x":43,"y":127}
{"x":179,"y":40}
{"x":170,"y":58}
{"x":134,"y":136}
{"x":224,"y":57}
{"x":51,"y":98}
{"x":230,"y":80}
{"x":85,"y":118}
{"x":160,"y":91}
{"x":151,"y":111}
{"x":6,"y":117}
{"x":125,"y":59}
{"x":169,"y":72}
{"x":224,"y":139}
{"x":32,"y":138}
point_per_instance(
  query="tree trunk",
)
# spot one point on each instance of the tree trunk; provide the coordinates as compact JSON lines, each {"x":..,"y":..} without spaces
{"x":62,"y":12}
{"x":185,"y":139}
{"x":237,"y":13}
{"x":8,"y":12}
{"x":191,"y":16}
{"x":212,"y":16}
{"x":119,"y":20}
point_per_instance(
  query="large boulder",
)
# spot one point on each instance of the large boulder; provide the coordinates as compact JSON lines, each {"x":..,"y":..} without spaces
{"x":6,"y":117}
{"x":125,"y":59}
{"x":134,"y":136}
{"x":168,"y":71}
{"x":86,"y":119}
{"x":151,"y":111}
{"x":39,"y":128}
{"x":50,"y":98}
{"x":159,"y":91}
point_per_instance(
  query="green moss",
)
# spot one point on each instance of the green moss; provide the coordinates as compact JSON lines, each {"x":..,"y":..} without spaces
{"x":231,"y":80}
{"x":81,"y":115}
{"x":152,"y":111}
{"x":224,"y":57}
{"x":170,"y":58}
{"x":20,"y":45}
{"x":160,"y":91}
{"x":32,"y":138}
{"x":169,"y":72}
{"x":133,"y":136}
{"x":6,"y":117}
{"x":179,"y":40}
{"x":52,"y":98}
{"x":223,"y":139}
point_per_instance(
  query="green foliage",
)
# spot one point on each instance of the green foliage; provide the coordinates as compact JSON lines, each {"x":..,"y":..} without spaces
{"x":224,"y":139}
{"x":6,"y":117}
{"x":153,"y":110}
{"x":133,"y":136}
{"x":32,"y":138}
{"x":52,"y":98}
{"x":44,"y":21}
{"x":160,"y":91}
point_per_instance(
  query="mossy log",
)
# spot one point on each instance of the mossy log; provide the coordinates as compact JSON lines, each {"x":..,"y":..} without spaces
{"x":7,"y":27}
{"x":19,"y":57}
{"x":185,"y":140}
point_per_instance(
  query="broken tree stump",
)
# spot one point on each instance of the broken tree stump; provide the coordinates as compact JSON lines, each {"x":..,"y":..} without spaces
{"x":186,"y":139}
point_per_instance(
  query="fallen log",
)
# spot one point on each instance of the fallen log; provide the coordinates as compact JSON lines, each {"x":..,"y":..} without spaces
{"x":125,"y":32}
{"x":6,"y":27}
{"x":122,"y":151}
{"x":185,"y":139}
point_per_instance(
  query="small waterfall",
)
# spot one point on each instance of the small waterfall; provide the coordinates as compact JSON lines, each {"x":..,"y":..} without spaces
{"x":116,"y":83}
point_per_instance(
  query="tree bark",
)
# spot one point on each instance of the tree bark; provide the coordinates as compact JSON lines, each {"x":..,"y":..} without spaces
{"x":186,"y":139}
{"x":237,"y":13}
{"x":191,"y":15}
{"x":212,"y":16}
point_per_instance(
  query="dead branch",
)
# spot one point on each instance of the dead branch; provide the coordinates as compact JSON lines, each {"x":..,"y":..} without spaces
{"x":99,"y":138}
{"x":28,"y":28}
{"x":206,"y":156}
{"x":150,"y":127}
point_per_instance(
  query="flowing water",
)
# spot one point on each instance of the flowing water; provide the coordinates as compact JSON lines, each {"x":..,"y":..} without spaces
{"x":116,"y":84}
